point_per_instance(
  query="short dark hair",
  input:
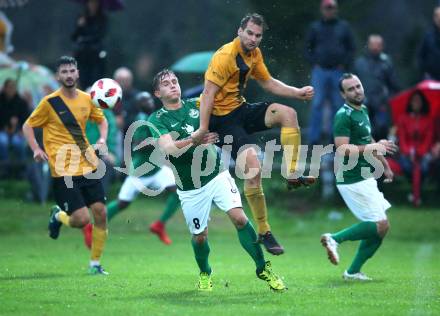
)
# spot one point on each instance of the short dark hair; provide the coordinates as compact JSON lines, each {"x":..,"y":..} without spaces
{"x":347,"y":75}
{"x":66,"y":60}
{"x":159,"y":77}
{"x":254,"y":18}
{"x":8,"y":81}
{"x":425,"y":103}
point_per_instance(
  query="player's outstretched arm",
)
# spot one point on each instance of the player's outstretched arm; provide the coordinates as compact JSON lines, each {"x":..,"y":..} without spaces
{"x":206,"y":106}
{"x":281,"y":89}
{"x":344,"y":147}
{"x":103,"y":131}
{"x":171,"y":146}
{"x":39,"y":154}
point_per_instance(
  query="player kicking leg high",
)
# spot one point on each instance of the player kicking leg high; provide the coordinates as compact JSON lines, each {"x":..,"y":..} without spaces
{"x":197,"y":190}
{"x":224,"y":110}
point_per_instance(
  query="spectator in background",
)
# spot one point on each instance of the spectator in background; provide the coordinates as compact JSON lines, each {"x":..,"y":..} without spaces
{"x":436,"y":152}
{"x":127,"y":111}
{"x":376,"y":71}
{"x":415,"y":131}
{"x":429,"y":50}
{"x":91,"y":28}
{"x":329,"y":49}
{"x":13,"y":113}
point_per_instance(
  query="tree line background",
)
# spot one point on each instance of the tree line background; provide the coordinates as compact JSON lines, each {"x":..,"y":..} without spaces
{"x":149,"y":35}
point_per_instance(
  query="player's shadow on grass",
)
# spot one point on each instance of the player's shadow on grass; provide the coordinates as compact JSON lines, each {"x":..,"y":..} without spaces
{"x":37,"y":276}
{"x":216,"y":297}
{"x":340,"y":283}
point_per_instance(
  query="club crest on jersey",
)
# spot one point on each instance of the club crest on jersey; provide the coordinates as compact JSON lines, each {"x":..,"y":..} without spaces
{"x":160,"y":112}
{"x":193,"y":113}
{"x":188,"y":128}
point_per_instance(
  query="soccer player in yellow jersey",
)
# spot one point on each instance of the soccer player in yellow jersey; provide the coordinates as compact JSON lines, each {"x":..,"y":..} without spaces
{"x":63,"y":115}
{"x":224,"y":110}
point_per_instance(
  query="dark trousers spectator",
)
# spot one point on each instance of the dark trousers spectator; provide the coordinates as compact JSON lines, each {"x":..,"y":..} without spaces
{"x":91,"y":64}
{"x":16,"y":142}
{"x":416,"y":170}
{"x":407,"y":165}
{"x":436,"y":169}
{"x":325,"y":82}
{"x":40,"y":180}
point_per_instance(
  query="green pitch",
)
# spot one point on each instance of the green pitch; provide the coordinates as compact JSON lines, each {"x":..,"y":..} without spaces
{"x":39,"y":276}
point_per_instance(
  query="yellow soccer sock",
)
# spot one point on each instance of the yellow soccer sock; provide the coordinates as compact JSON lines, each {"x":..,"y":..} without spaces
{"x":257,"y":203}
{"x":63,"y":218}
{"x":290,"y":137}
{"x":98,"y":240}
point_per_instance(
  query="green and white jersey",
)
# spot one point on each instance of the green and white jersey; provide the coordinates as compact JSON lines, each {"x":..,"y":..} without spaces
{"x":193,"y":167}
{"x":142,"y":155}
{"x":355,"y":124}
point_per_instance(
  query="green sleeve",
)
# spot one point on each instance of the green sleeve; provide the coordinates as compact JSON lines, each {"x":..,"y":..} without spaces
{"x":112,"y":131}
{"x":341,"y":125}
{"x":140,"y":134}
{"x":157,"y":127}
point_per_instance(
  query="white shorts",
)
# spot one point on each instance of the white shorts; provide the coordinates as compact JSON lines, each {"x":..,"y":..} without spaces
{"x":196,"y":204}
{"x":365,"y":200}
{"x":131,"y":187}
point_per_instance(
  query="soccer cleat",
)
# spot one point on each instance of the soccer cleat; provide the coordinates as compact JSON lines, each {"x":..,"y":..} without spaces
{"x":300,"y":181}
{"x":205,"y":282}
{"x":356,"y":276}
{"x":270,"y":243}
{"x":332,"y":248}
{"x":54,"y":225}
{"x":96,"y":270}
{"x":274,"y":281}
{"x":88,"y":234}
{"x":158,"y":228}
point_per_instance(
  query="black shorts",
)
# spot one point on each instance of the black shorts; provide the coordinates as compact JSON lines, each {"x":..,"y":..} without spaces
{"x":245,"y":120}
{"x":84,"y":192}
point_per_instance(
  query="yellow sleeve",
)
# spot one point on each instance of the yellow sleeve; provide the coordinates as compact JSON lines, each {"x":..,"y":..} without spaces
{"x":96,"y":114}
{"x":40,"y":116}
{"x":260,"y":71}
{"x":220,"y":69}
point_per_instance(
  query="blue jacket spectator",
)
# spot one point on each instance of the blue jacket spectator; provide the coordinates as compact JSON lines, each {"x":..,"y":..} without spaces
{"x":429,"y":51}
{"x":330,"y":48}
{"x":88,"y":37}
{"x":376,"y":71}
{"x":13,"y":112}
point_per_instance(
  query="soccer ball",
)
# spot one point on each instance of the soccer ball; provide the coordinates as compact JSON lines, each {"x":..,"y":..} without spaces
{"x":106,"y":93}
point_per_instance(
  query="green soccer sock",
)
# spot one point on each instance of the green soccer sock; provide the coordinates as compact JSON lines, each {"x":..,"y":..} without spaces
{"x":248,"y":240}
{"x":112,"y":209}
{"x":201,"y":253}
{"x":360,"y":231}
{"x":172,"y":204}
{"x":366,"y":250}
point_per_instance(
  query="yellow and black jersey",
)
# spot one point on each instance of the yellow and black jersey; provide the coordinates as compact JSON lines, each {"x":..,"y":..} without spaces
{"x":63,"y":121}
{"x":230,"y":69}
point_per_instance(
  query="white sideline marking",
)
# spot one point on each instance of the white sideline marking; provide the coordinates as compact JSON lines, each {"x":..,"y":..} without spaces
{"x":422,"y":289}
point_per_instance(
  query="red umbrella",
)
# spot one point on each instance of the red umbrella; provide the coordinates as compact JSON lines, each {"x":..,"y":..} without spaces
{"x":429,"y":88}
{"x":111,"y":5}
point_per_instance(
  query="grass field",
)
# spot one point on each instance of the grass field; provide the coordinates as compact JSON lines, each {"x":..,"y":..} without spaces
{"x":39,"y":276}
